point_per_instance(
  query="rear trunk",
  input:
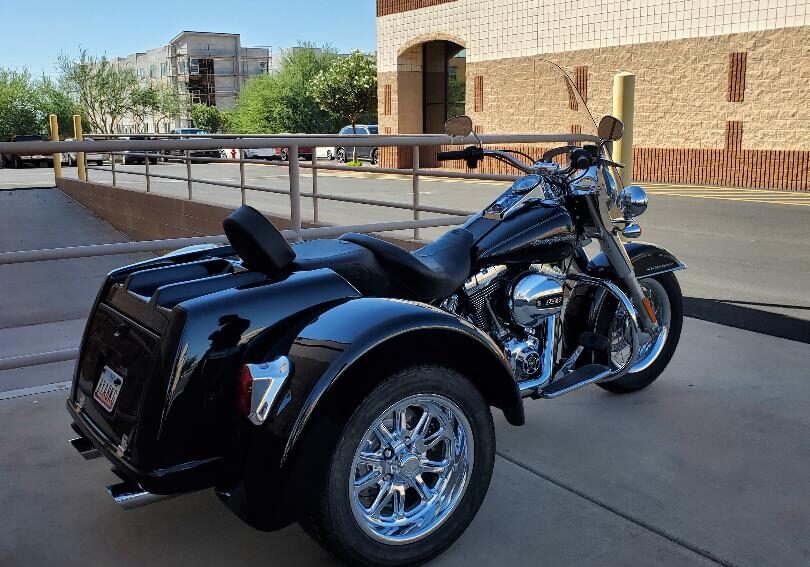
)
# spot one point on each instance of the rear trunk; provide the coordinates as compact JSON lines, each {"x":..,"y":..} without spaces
{"x":155,"y":384}
{"x":128,"y":355}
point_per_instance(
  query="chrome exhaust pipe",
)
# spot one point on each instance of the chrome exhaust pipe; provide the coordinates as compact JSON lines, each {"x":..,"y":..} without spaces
{"x":85,"y":448}
{"x":130,"y":495}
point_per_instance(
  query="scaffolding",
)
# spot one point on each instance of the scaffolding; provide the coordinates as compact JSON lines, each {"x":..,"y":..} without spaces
{"x":193,"y":74}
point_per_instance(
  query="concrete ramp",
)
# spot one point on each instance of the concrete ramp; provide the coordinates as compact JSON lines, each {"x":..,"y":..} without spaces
{"x":43,"y":292}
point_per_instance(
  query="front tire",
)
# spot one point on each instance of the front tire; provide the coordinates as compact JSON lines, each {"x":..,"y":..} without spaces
{"x":408,"y":472}
{"x":341,"y":155}
{"x":665,"y":294}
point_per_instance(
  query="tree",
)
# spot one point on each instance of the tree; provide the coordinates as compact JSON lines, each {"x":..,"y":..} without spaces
{"x":282,"y":101}
{"x":143,"y":102}
{"x":53,"y":99}
{"x":348,"y":88}
{"x":208,"y":118}
{"x":169,"y":105}
{"x":100,"y":86}
{"x":20,"y":108}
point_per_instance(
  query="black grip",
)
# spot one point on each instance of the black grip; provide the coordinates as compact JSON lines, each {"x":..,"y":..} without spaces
{"x":443,"y":156}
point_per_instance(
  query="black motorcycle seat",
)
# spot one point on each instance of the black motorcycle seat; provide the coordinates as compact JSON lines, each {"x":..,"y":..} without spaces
{"x":433,"y":271}
{"x":354,"y":263}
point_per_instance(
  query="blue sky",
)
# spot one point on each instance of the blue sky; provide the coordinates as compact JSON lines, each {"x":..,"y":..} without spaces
{"x":34,"y":32}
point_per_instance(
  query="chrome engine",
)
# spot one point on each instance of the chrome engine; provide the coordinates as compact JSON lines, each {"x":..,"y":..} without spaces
{"x":514,"y":310}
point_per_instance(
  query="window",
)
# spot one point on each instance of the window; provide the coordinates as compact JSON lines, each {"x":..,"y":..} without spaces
{"x":164,"y":67}
{"x":360,"y":130}
{"x":182,"y":67}
{"x":141,"y":72}
{"x":345,"y":130}
{"x":152,"y":71}
{"x":194,"y":67}
{"x":373,"y":130}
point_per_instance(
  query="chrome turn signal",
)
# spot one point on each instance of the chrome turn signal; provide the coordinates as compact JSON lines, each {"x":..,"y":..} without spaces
{"x":632,"y":230}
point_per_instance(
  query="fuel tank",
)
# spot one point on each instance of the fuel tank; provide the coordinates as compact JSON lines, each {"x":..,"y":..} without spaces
{"x":536,"y":234}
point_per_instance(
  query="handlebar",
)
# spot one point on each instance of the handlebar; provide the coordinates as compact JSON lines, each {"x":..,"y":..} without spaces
{"x":579,"y":158}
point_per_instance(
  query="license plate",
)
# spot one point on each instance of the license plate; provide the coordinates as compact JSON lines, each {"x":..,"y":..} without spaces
{"x":108,"y":388}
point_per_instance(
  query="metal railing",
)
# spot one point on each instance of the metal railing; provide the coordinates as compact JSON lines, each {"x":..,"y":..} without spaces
{"x":159,"y":146}
{"x":164,"y":143}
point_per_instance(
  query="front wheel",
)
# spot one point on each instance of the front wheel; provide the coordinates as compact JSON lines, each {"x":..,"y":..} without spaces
{"x":408,"y":472}
{"x":341,"y":155}
{"x":664,"y":293}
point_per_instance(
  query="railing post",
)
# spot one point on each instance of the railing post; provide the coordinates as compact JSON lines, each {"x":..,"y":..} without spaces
{"x":112,"y":167}
{"x":57,"y":158}
{"x":624,"y":94}
{"x":295,"y":192}
{"x":188,"y":173}
{"x":146,"y":166}
{"x":415,"y":189}
{"x":242,"y":173}
{"x":81,"y":164}
{"x":315,"y":185}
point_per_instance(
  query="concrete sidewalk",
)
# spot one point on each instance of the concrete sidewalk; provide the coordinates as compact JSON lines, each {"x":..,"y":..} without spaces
{"x":706,"y":467}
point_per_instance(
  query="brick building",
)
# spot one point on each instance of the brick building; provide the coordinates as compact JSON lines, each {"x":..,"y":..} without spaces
{"x":722,"y":86}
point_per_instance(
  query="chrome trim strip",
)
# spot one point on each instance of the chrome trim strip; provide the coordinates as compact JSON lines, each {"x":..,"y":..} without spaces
{"x":268,"y":378}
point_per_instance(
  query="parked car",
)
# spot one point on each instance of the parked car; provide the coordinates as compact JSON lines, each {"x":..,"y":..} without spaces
{"x":304,"y":152}
{"x":196,"y":132}
{"x":325,"y":152}
{"x":347,"y":153}
{"x":17,"y":160}
{"x":69,"y":158}
{"x":136,"y":156}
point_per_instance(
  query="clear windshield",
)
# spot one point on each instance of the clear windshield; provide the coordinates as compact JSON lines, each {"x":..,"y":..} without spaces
{"x":558,"y":105}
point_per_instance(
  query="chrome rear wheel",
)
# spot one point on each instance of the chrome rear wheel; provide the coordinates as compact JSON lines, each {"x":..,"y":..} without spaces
{"x":411,"y":469}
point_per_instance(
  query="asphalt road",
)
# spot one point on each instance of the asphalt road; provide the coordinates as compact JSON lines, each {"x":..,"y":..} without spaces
{"x":706,"y":467}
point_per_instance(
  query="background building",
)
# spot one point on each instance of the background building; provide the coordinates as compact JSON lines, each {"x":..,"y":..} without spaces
{"x":721,"y":90}
{"x":202,"y":67}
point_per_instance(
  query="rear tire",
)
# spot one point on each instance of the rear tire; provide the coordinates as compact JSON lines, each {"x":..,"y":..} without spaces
{"x":284,"y":155}
{"x":637,"y":380}
{"x":375,"y":156}
{"x":339,"y":518}
{"x":341,"y":155}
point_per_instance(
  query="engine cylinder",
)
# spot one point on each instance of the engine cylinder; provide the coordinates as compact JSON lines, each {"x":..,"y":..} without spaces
{"x":533,"y":298}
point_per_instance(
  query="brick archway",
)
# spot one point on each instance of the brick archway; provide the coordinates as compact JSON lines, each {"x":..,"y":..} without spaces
{"x":425,"y":89}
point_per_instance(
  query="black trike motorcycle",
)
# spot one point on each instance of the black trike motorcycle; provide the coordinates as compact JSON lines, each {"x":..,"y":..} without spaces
{"x":346,"y":384}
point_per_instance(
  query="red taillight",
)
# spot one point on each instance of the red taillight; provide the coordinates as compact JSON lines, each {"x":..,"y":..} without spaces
{"x":244,"y":392}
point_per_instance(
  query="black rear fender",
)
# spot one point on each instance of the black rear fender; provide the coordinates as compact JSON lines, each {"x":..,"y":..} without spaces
{"x":337,"y":358}
{"x":347,"y":350}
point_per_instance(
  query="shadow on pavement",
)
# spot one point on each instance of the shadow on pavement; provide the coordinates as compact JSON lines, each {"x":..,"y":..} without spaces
{"x":734,"y":314}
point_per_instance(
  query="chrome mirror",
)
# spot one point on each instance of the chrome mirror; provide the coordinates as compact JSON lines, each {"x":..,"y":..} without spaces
{"x":460,"y":126}
{"x":610,"y":128}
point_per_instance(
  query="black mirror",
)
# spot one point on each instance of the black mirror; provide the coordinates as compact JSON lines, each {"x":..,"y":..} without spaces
{"x":459,"y":126}
{"x":610,"y":128}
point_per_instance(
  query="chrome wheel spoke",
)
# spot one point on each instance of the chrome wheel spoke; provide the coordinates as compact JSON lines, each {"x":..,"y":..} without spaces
{"x":371,"y":479}
{"x":436,"y":467}
{"x":385,"y":494}
{"x":421,"y":488}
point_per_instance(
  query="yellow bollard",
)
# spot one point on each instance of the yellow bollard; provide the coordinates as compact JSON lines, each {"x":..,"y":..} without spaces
{"x":624,"y":95}
{"x":81,"y":164}
{"x":57,"y":158}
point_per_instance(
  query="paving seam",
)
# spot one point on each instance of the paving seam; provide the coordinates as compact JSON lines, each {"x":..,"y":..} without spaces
{"x":34,"y":391}
{"x":626,"y":516}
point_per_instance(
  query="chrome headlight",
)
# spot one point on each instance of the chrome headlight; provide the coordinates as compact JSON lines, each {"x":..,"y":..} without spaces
{"x":633,"y":201}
